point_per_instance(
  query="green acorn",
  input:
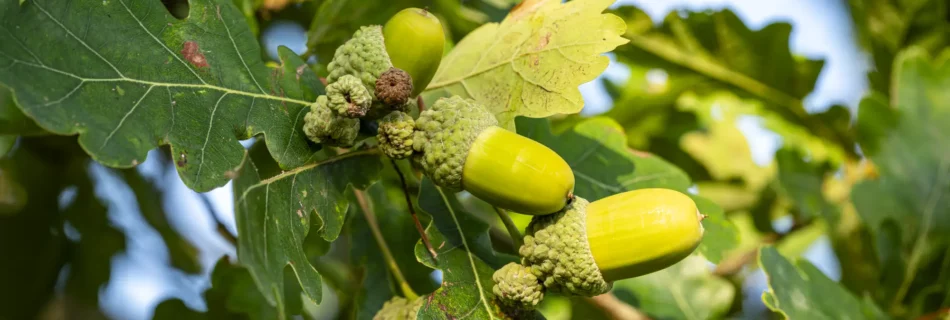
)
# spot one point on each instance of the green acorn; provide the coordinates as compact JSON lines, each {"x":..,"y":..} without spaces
{"x":583,"y":249}
{"x":460,"y":147}
{"x":324,"y":126}
{"x":415,"y":41}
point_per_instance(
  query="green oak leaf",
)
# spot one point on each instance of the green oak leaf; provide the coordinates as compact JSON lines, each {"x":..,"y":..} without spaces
{"x":708,"y":51}
{"x":801,"y":291}
{"x":531,"y":63}
{"x":603,"y":165}
{"x":466,"y":290}
{"x":275,"y":215}
{"x":196,"y":84}
{"x":908,"y":205}
{"x":448,"y":216}
{"x":685,"y":290}
{"x":886,"y":27}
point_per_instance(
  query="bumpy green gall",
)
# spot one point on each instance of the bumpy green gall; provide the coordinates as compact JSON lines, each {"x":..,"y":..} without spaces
{"x":348,"y":97}
{"x":393,"y":87}
{"x":324,"y":126}
{"x":363,"y":56}
{"x":395,"y":135}
{"x":515,"y":286}
{"x":444,"y":134}
{"x":556,"y":250}
{"x":399,"y":308}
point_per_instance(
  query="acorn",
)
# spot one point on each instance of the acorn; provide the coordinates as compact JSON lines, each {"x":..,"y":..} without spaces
{"x":583,"y":249}
{"x":415,"y":41}
{"x":459,"y":146}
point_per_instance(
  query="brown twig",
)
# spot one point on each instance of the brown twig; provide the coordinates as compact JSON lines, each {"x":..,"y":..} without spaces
{"x":616,"y":309}
{"x":734,"y":263}
{"x":412,"y":210}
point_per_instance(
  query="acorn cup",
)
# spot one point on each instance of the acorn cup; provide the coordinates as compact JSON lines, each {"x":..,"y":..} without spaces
{"x":583,"y":249}
{"x":459,"y":146}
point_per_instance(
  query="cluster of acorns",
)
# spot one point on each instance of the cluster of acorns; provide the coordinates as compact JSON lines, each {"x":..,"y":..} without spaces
{"x":572,"y":246}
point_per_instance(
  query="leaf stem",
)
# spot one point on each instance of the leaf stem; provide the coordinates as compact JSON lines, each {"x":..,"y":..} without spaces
{"x":616,"y":309}
{"x":412,"y":210}
{"x":512,"y":228}
{"x":378,"y":235}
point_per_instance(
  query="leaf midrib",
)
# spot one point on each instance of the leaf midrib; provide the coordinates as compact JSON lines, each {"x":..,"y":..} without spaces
{"x":123,"y":78}
{"x":468,"y":252}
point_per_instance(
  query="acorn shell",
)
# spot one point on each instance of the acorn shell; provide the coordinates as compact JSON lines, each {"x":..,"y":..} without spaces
{"x":510,"y":171}
{"x":638,"y":232}
{"x":415,"y":40}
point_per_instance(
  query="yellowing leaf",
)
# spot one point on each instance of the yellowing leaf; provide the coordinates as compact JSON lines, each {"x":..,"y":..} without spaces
{"x":531,"y":63}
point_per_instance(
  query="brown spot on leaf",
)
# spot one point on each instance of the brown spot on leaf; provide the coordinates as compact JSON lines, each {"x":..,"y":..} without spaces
{"x":543,"y":42}
{"x":524,"y":8}
{"x":639,"y":153}
{"x":182,"y":160}
{"x":193,"y":54}
{"x":300,"y":70}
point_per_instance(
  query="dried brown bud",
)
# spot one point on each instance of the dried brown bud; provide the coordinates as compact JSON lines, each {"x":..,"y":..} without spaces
{"x":393,"y":87}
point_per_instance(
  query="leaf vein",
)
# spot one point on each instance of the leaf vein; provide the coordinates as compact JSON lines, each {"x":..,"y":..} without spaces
{"x":126,"y":116}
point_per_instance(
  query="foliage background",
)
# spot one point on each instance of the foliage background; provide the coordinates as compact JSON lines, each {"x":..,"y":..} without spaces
{"x":782,"y":177}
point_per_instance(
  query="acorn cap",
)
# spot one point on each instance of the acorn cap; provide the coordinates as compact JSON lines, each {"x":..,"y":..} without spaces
{"x":515,"y":286}
{"x":395,"y":135}
{"x":399,"y":308}
{"x":444,"y":134}
{"x":322,"y":125}
{"x":555,"y":248}
{"x":348,"y":97}
{"x":363,"y":56}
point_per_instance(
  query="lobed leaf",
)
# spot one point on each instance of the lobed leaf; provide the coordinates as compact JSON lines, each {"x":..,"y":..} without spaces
{"x":126,"y":77}
{"x":276,"y":214}
{"x":907,"y":207}
{"x":801,"y":291}
{"x":531,"y":63}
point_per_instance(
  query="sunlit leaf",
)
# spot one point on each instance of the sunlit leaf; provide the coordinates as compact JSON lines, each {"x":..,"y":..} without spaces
{"x":531,"y":63}
{"x":801,"y":291}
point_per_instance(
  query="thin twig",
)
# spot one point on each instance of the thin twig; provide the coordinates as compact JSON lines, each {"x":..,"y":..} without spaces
{"x":412,"y":210}
{"x":734,"y":263}
{"x":616,"y":309}
{"x":512,"y":228}
{"x":387,"y":254}
{"x":221,"y":227}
